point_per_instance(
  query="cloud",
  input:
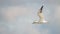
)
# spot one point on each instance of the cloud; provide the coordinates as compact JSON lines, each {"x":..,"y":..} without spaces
{"x":27,"y":29}
{"x":57,"y":16}
{"x":24,"y":26}
{"x":13,"y":11}
{"x":54,"y":24}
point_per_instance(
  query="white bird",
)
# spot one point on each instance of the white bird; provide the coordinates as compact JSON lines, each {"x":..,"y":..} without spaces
{"x":41,"y":17}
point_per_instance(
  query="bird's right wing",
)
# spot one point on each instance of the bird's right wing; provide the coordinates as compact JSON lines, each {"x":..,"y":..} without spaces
{"x":41,"y":9}
{"x":40,"y":13}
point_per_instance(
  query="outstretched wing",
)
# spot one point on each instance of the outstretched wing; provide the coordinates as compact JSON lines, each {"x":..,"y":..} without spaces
{"x":41,"y":9}
{"x":41,"y":17}
{"x":40,"y":14}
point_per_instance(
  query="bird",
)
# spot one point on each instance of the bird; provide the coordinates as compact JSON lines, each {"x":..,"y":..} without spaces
{"x":41,"y":17}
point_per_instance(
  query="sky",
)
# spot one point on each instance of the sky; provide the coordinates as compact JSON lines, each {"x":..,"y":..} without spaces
{"x":17,"y":16}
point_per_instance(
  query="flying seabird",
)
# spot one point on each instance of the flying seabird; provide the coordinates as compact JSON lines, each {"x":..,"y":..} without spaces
{"x":41,"y":17}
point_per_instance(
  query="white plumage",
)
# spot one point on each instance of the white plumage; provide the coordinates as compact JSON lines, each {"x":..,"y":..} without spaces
{"x":41,"y":17}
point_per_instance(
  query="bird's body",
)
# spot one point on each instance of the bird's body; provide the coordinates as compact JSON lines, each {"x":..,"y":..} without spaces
{"x":41,"y":18}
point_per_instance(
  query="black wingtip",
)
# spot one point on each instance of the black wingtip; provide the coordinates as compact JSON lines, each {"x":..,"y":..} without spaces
{"x":41,"y":9}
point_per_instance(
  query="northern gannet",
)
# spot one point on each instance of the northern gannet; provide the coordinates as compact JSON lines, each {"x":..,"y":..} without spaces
{"x":41,"y":17}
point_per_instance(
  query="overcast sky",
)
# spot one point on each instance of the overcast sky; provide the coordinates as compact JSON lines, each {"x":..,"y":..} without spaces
{"x":17,"y":16}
